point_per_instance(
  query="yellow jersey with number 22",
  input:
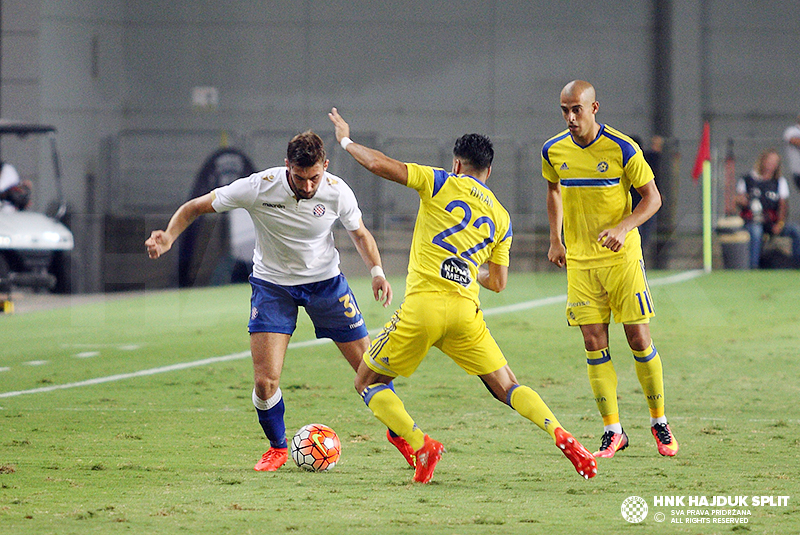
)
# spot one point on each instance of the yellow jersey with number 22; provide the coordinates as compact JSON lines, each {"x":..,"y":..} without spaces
{"x":460,"y":226}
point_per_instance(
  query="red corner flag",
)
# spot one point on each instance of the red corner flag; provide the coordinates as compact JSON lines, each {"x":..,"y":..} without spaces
{"x":703,"y":152}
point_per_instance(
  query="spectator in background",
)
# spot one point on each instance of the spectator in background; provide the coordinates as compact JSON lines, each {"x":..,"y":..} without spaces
{"x":15,"y":194}
{"x":792,"y":138}
{"x":761,"y":196}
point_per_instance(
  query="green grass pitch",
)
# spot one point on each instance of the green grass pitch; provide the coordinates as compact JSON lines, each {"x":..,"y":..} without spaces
{"x":172,"y":452}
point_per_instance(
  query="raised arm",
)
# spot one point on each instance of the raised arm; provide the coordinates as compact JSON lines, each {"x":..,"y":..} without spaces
{"x":160,"y":241}
{"x":373,"y":160}
{"x":368,"y":249}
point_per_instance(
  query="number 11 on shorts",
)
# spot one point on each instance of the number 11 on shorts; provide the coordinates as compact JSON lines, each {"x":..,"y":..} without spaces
{"x":644,"y":300}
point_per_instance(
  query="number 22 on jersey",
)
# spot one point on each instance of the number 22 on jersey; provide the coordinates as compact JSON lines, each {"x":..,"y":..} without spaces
{"x":464,"y":224}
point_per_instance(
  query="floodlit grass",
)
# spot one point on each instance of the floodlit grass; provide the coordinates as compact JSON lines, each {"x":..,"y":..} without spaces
{"x":173,"y":452}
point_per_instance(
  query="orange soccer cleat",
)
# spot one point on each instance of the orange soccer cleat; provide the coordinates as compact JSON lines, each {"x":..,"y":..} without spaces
{"x":581,"y":459}
{"x":403,"y":447}
{"x":667,"y":445}
{"x":611,"y":443}
{"x":427,"y":457}
{"x":272,"y":460}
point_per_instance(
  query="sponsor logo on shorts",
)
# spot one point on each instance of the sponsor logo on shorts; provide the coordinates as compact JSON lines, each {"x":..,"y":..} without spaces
{"x":253,"y":313}
{"x":456,"y":270}
{"x":357,"y":324}
{"x":578,"y":304}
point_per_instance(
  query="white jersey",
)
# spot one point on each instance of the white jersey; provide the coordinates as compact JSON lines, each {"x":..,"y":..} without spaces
{"x":294,"y":238}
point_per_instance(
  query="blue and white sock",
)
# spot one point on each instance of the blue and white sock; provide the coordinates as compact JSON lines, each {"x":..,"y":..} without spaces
{"x":270,"y":416}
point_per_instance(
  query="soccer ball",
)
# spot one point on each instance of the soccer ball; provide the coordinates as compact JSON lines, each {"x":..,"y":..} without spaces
{"x":316,"y":448}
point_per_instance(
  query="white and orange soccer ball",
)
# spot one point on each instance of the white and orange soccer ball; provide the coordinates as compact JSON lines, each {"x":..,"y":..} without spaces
{"x":316,"y":448}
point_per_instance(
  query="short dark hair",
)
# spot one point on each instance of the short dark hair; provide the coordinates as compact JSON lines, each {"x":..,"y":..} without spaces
{"x":305,"y":150}
{"x":475,"y":149}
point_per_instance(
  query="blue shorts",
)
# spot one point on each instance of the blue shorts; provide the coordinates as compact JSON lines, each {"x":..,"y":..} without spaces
{"x":330,"y":304}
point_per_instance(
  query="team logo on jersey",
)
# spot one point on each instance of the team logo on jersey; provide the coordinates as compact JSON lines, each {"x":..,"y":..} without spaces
{"x":456,"y":270}
{"x":564,"y":167}
{"x":602,"y":167}
{"x":319,"y":210}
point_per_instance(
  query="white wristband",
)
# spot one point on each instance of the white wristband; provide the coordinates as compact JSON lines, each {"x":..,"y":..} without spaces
{"x":376,"y":271}
{"x":345,"y":142}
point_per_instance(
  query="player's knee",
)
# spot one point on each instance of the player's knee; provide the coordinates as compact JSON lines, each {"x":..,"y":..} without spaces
{"x":638,"y":339}
{"x":595,"y":337}
{"x":594,"y":343}
{"x":360,"y":383}
{"x":266,"y":387}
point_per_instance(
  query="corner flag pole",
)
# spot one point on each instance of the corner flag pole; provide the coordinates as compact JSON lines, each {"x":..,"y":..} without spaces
{"x":707,"y":216}
{"x":702,"y":166}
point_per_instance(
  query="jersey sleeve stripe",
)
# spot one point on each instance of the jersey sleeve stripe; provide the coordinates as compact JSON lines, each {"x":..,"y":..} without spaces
{"x":439,"y":178}
{"x":628,"y":150}
{"x":550,"y":143}
{"x":509,"y":234}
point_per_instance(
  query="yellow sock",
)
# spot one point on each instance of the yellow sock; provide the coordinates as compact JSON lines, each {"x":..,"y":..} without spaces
{"x":389,"y":409}
{"x":651,"y":377}
{"x":603,"y":379}
{"x":529,"y":404}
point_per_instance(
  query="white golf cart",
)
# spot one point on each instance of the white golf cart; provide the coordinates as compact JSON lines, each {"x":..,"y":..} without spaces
{"x":32,"y":245}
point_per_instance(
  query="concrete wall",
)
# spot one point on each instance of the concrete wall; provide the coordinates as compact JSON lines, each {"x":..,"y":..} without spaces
{"x":116,"y":78}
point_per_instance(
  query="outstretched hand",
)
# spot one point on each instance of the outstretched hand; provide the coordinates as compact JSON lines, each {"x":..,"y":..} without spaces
{"x":342,"y":128}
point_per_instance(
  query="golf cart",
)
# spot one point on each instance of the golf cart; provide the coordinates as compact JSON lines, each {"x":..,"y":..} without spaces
{"x":32,"y":245}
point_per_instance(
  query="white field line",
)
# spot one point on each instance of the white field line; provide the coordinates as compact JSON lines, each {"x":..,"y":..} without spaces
{"x":527,"y":305}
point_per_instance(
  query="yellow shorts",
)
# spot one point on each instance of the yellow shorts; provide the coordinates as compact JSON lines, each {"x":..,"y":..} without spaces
{"x":448,"y":321}
{"x":594,"y":294}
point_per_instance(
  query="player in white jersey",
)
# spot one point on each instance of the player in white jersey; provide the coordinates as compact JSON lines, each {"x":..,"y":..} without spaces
{"x":295,"y":263}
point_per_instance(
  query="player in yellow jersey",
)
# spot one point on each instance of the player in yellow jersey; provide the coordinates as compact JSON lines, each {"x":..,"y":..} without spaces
{"x":590,"y":169}
{"x":461,"y":240}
